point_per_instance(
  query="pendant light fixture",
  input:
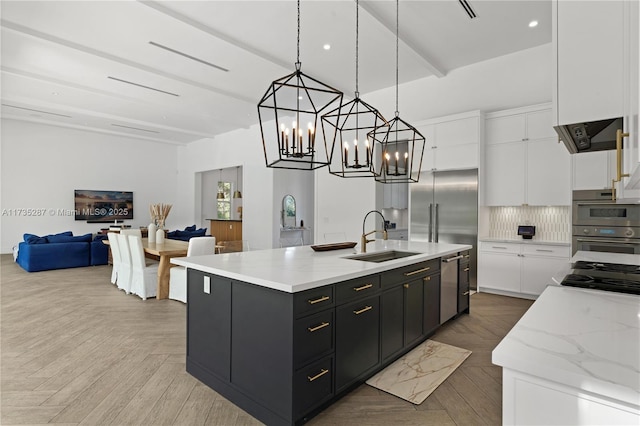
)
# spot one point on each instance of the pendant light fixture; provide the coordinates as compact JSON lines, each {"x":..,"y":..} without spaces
{"x":402,"y":144}
{"x":220,"y":195}
{"x":288,"y":114}
{"x":237,"y":193}
{"x":347,"y":126}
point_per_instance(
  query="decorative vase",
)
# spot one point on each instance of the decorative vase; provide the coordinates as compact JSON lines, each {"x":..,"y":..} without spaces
{"x":152,"y":228}
{"x":160,"y":236}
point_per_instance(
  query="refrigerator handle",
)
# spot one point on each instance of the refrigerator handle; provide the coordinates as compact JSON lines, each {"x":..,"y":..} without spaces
{"x":430,"y":222}
{"x":435,"y":225}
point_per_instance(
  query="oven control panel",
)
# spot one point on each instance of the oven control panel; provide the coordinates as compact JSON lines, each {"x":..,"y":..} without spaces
{"x":610,"y":231}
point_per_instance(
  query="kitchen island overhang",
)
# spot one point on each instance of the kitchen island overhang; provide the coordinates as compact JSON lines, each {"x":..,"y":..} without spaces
{"x":295,"y":269}
{"x":283,"y":345}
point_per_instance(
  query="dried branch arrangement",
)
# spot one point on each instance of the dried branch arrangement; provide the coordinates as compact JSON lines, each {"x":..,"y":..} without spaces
{"x":159,"y":213}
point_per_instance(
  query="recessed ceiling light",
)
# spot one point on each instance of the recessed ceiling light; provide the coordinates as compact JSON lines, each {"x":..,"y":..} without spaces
{"x":327,"y":46}
{"x":533,"y":24}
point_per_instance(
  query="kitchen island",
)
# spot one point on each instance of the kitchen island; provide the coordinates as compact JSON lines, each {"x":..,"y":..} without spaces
{"x":282,"y":333}
{"x":574,"y":357}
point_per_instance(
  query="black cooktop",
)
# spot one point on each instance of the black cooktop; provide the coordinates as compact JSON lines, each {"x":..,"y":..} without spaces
{"x":604,"y":276}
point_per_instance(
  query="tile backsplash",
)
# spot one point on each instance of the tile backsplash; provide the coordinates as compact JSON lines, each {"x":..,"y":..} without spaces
{"x":553,"y":223}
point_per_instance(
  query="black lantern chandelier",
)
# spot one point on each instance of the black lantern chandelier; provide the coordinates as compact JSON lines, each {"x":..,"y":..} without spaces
{"x":351,"y":123}
{"x":295,"y":100}
{"x":402,"y":144}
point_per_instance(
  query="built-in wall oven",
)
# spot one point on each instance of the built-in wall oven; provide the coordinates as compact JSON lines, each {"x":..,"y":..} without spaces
{"x":600,"y":224}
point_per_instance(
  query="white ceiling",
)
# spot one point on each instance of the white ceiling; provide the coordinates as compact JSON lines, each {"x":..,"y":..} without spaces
{"x":62,"y":60}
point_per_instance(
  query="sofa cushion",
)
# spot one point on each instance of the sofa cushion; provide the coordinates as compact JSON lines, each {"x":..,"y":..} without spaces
{"x":86,"y":238}
{"x":190,"y":228}
{"x":34,"y":239}
{"x":42,"y":257}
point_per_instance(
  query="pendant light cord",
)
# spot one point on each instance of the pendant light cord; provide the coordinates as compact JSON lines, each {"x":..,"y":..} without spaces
{"x":357,"y":27}
{"x":298,"y":44}
{"x":397,"y":48}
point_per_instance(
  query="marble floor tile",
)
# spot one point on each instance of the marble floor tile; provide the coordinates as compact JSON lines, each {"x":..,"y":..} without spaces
{"x":418,"y":373}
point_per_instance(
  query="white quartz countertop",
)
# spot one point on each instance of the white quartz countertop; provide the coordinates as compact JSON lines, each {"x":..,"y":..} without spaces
{"x":294,"y":269}
{"x":587,"y":339}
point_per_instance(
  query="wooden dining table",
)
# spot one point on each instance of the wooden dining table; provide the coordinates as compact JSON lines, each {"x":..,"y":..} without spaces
{"x":164,"y":252}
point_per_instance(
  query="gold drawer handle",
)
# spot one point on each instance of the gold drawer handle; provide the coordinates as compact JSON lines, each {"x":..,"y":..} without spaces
{"x":466,"y":269}
{"x":406,"y":286}
{"x":318,"y":327}
{"x":408,"y":274}
{"x":322,"y":299}
{"x":317,"y":376}
{"x":467,"y":255}
{"x":466,"y":293}
{"x":426,"y":279}
{"x":363,"y":310}
{"x":364,"y":287}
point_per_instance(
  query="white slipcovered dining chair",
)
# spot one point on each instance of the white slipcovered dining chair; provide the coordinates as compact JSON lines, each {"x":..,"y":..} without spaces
{"x":115,"y":256}
{"x":124,"y":271}
{"x":198,"y":246}
{"x":144,"y":276}
{"x":291,"y":242}
{"x":131,"y":231}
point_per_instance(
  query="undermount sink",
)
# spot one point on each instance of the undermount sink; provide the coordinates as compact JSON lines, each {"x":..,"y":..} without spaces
{"x":382,"y":256}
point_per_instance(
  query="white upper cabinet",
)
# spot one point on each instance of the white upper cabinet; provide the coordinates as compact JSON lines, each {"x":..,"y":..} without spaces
{"x":631,"y":162}
{"x":588,"y":41}
{"x":593,"y":170}
{"x":524,"y":163}
{"x":452,"y":142}
{"x":395,"y":196}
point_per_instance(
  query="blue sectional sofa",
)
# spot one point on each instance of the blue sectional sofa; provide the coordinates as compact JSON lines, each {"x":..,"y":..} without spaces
{"x":61,"y":251}
{"x":189,"y":231}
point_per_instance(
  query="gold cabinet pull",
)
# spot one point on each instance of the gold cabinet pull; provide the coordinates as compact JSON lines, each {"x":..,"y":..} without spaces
{"x":364,"y":287}
{"x":406,"y":286}
{"x":426,"y":279}
{"x":317,"y":376}
{"x":408,"y":274}
{"x":465,"y":270}
{"x":619,"y":136}
{"x":467,"y":255}
{"x":318,"y":327}
{"x":466,"y":293}
{"x":322,"y":299}
{"x":363,"y":310}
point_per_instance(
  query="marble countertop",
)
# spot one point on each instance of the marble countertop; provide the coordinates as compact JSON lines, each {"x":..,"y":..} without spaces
{"x":294,"y":269}
{"x":523,"y":241}
{"x":587,"y":339}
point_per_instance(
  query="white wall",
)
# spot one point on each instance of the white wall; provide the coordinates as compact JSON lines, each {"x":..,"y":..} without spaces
{"x":300,"y":184}
{"x":241,"y":147}
{"x":42,"y":165}
{"x":519,"y":79}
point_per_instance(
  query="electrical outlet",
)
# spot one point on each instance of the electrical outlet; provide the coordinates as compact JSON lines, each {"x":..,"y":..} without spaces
{"x":207,"y":285}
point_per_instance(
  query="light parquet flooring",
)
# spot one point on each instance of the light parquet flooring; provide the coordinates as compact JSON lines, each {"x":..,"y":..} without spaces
{"x":77,"y":351}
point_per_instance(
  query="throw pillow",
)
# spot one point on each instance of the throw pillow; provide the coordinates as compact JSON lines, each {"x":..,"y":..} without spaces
{"x":70,"y":239}
{"x":190,"y":228}
{"x":34,"y":239}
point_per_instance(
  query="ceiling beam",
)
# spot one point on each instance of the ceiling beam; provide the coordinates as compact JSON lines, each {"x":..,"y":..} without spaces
{"x":427,"y":61}
{"x":88,"y":50}
{"x":217,"y":34}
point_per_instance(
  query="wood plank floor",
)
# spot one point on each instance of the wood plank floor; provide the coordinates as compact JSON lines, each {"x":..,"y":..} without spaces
{"x":77,"y":351}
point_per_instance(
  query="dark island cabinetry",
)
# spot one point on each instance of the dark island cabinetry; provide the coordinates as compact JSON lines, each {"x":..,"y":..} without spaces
{"x":282,"y":356}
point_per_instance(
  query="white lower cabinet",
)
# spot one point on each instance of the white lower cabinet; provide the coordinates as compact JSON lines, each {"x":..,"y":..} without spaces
{"x":529,"y":400}
{"x":519,"y":268}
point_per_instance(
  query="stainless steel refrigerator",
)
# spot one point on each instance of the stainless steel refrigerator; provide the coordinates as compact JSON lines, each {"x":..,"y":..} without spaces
{"x":444,"y":208}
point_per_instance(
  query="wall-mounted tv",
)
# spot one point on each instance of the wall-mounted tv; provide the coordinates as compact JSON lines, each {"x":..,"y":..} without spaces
{"x":103,"y":206}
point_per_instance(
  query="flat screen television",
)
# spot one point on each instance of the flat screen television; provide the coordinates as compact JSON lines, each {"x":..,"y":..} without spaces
{"x":103,"y":206}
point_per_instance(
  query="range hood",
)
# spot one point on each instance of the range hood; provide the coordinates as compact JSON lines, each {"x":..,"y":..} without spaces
{"x":590,"y":136}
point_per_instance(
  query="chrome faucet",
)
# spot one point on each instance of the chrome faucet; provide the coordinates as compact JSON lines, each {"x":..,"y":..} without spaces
{"x":363,"y":239}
